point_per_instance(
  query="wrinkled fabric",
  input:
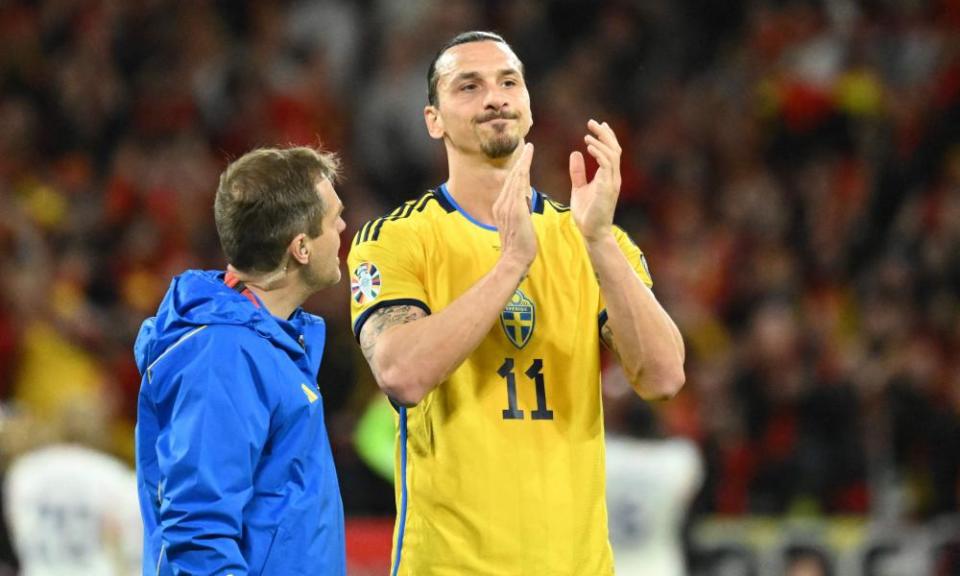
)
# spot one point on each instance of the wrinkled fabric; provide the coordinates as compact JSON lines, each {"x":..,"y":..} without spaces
{"x":234,"y":468}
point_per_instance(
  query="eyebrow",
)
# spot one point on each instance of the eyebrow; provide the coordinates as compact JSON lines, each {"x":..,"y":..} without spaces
{"x":476,"y":75}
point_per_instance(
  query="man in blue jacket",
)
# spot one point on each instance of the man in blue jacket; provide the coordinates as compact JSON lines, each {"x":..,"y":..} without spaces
{"x":234,"y":467}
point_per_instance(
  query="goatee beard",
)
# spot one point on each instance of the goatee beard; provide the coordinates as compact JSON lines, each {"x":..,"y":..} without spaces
{"x":500,"y":147}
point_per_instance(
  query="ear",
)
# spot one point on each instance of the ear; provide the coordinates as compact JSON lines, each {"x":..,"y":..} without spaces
{"x":298,"y":249}
{"x":431,"y":115}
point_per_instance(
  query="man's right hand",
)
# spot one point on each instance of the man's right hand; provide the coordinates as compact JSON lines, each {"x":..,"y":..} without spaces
{"x":511,"y":214}
{"x":411,"y":352}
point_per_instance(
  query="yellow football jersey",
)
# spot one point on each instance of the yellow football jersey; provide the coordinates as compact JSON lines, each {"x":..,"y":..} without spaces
{"x":500,"y":469}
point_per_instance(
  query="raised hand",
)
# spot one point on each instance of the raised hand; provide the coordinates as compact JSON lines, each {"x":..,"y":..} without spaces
{"x":593,"y":203}
{"x":511,"y":213}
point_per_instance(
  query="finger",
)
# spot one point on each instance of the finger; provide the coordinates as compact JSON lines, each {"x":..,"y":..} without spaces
{"x":522,"y":167}
{"x":516,"y":208}
{"x":608,"y":166}
{"x":500,"y":208}
{"x":612,"y":158}
{"x":506,"y":193}
{"x":605,"y":133}
{"x":610,"y":151}
{"x":521,"y":183}
{"x":526,"y":157}
{"x":516,"y":188}
{"x":602,"y":157}
{"x":512,"y":175}
{"x":612,"y":136}
{"x":578,"y":170}
{"x":504,"y":190}
{"x":522,"y":163}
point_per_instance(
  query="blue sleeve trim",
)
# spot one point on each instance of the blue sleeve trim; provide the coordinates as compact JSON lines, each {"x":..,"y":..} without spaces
{"x":602,"y":319}
{"x":403,"y":490}
{"x":362,"y":319}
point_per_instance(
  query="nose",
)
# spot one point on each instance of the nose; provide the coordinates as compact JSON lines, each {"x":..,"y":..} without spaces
{"x":495,"y":98}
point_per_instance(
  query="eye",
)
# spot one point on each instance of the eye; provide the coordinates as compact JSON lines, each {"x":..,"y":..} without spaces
{"x":510,"y":83}
{"x":468,"y":87}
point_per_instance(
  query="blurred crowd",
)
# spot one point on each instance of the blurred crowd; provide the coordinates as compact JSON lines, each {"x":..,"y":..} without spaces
{"x":791,"y":170}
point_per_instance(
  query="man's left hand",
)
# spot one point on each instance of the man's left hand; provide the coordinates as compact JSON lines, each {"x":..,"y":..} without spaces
{"x":593,"y":203}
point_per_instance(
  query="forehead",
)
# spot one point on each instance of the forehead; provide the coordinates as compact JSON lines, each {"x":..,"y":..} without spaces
{"x":331,"y":202}
{"x":476,"y":57}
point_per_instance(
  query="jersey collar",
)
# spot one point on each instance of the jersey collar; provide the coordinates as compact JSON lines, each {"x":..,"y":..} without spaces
{"x":537,"y":201}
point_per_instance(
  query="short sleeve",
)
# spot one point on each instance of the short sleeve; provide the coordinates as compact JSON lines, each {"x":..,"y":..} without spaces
{"x":637,"y":261}
{"x":386,"y":264}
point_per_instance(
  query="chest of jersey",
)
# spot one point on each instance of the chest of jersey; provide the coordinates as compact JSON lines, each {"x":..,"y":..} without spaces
{"x":558,"y":293}
{"x":539,"y":361}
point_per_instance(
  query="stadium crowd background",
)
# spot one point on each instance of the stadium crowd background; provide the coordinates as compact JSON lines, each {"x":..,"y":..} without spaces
{"x":791,"y":170}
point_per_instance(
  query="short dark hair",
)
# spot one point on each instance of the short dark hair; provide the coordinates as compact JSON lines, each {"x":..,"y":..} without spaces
{"x":265,"y":198}
{"x":461,"y":38}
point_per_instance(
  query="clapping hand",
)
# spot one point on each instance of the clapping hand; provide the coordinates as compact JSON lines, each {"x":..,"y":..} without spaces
{"x":593,"y":203}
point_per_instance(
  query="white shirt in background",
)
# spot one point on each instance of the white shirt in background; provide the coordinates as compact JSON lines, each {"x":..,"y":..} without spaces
{"x":650,"y":484}
{"x":72,"y":510}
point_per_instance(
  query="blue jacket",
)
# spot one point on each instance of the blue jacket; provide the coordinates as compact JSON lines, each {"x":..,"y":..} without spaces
{"x":233,"y":461}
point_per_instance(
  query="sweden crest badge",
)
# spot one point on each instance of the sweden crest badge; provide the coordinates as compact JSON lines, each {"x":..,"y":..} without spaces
{"x":518,"y":319}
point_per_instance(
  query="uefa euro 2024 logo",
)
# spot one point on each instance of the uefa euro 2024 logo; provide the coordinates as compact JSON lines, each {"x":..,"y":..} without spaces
{"x":365,"y":283}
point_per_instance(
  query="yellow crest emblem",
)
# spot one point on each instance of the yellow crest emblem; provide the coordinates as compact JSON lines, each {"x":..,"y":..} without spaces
{"x":518,"y":319}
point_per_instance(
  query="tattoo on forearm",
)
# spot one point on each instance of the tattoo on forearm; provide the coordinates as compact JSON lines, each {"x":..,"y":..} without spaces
{"x":383,"y":319}
{"x":606,"y":336}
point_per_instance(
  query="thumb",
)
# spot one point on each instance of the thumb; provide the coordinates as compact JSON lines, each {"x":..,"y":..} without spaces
{"x":578,"y":171}
{"x":526,"y":157}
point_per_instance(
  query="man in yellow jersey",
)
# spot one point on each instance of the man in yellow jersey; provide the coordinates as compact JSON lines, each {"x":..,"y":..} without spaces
{"x":481,"y":307}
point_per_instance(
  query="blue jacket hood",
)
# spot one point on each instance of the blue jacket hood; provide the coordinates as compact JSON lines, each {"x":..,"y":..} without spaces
{"x":201,"y":298}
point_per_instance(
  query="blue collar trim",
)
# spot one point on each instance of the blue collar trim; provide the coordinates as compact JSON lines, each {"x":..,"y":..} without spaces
{"x":535,"y":201}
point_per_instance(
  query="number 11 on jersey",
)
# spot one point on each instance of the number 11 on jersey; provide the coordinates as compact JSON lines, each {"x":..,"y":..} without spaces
{"x":535,"y":373}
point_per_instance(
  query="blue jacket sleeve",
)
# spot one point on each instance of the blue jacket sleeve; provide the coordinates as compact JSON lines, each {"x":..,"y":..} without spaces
{"x":214,"y":423}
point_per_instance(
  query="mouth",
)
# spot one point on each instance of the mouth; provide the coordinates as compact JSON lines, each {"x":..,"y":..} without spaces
{"x":501,"y":118}
{"x":497,"y":126}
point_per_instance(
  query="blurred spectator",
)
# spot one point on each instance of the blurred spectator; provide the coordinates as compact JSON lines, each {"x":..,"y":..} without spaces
{"x":803,"y":561}
{"x":652,"y":479}
{"x":69,"y":506}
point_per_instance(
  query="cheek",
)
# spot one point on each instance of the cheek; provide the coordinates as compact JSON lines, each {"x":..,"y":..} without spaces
{"x":460,"y":115}
{"x":526,"y":108}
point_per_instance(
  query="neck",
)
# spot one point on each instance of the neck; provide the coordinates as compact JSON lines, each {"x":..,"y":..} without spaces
{"x":475,"y":180}
{"x":279,"y":291}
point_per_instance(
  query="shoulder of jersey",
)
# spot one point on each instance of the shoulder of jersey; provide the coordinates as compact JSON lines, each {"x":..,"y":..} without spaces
{"x":432,"y":205}
{"x":426,"y":206}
